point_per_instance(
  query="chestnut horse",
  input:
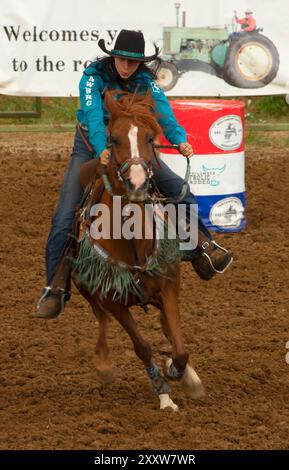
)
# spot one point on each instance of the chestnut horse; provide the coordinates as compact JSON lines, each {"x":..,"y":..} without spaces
{"x":113,"y":272}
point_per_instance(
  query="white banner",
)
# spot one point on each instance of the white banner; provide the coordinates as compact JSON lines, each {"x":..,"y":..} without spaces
{"x":45,"y":44}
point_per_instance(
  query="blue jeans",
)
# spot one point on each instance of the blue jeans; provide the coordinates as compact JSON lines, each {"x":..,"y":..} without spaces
{"x":71,"y":194}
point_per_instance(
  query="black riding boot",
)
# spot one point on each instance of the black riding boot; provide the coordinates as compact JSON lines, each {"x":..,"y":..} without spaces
{"x":210,"y":258}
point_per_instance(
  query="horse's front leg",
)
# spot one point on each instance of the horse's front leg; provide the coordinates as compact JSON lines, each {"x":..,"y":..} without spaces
{"x":104,"y":368}
{"x":143,"y":351}
{"x":178,"y":368}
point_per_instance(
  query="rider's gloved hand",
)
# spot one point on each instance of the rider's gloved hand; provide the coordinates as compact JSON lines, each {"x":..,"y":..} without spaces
{"x":105,"y":157}
{"x":186,"y":149}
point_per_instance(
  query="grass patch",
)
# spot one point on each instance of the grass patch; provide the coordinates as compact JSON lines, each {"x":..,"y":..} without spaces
{"x":266,"y":109}
{"x":257,"y":138}
{"x":273,"y":106}
{"x":278,"y":139}
{"x":54,"y":110}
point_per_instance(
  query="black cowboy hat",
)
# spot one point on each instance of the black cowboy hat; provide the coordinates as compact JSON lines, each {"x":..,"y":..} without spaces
{"x":129,"y":45}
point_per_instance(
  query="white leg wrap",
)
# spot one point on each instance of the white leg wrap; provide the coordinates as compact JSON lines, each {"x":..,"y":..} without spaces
{"x":167,"y":402}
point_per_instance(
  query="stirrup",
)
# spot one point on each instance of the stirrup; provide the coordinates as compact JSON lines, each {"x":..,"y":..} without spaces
{"x":205,"y":245}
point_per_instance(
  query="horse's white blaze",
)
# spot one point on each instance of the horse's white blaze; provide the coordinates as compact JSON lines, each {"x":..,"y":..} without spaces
{"x":137,"y":174}
{"x":132,"y":135}
{"x":167,"y":402}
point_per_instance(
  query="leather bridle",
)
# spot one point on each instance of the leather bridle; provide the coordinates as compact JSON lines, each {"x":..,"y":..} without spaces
{"x":122,"y":168}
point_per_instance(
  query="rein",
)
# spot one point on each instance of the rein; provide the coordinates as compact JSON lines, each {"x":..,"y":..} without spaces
{"x":186,"y":178}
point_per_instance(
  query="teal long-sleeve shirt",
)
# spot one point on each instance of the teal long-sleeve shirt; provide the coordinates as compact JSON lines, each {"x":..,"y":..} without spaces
{"x":93,"y":115}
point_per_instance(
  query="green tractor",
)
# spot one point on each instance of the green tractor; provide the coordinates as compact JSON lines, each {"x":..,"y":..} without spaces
{"x":247,"y":60}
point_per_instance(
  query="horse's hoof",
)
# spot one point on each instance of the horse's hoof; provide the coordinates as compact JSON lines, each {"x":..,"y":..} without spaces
{"x":195,"y":391}
{"x":106,"y":377}
{"x":192,"y":384}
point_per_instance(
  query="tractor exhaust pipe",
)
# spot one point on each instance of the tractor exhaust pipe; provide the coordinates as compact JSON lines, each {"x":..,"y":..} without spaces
{"x":184,"y":19}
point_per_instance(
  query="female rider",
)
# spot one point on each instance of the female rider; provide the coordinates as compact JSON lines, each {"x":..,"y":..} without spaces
{"x":124,"y":68}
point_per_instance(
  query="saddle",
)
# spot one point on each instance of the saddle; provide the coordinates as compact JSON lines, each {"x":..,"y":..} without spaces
{"x":90,"y":179}
{"x":89,"y":172}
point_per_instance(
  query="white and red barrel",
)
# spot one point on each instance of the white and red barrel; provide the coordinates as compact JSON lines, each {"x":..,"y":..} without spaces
{"x":215,"y":129}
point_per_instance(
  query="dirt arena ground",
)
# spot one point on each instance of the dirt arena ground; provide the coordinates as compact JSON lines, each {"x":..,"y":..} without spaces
{"x":236,"y":328}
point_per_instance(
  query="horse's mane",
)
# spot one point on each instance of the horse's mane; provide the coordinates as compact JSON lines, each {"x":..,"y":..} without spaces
{"x":137,"y":107}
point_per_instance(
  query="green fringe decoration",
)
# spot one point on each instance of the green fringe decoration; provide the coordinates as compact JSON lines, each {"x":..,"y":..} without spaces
{"x":98,"y":272}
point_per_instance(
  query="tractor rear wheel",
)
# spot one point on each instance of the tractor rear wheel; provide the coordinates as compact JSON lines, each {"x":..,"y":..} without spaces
{"x":252,"y":61}
{"x":167,"y":76}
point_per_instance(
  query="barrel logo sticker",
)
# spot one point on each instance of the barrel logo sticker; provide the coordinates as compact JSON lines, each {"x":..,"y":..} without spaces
{"x":227,"y":132}
{"x":227,"y":213}
{"x":208,"y":176}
